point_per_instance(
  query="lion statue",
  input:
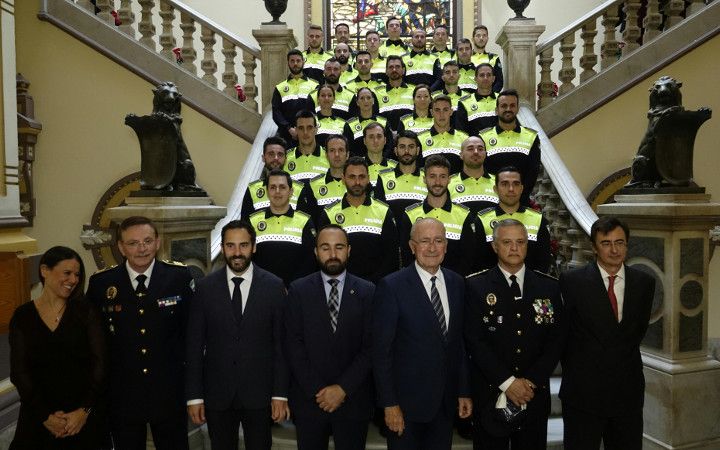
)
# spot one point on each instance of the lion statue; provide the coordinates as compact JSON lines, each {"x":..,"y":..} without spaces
{"x":664,"y":157}
{"x":165,"y":160}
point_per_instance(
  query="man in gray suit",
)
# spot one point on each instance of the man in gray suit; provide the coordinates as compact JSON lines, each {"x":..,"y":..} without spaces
{"x":236,"y":370}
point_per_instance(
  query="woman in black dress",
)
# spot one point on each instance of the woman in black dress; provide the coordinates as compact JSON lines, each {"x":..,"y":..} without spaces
{"x":58,"y":360}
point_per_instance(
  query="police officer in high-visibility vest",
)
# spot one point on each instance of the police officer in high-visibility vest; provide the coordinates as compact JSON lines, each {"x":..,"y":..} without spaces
{"x":480,"y":39}
{"x":364,"y":77}
{"x":509,"y":188}
{"x":372,"y":45}
{"x":343,"y":55}
{"x":374,"y":139}
{"x":441,"y":138}
{"x":405,"y":184}
{"x":315,"y":56}
{"x":477,"y":111}
{"x":343,"y":95}
{"x":285,"y":238}
{"x":473,"y":187}
{"x":448,"y":84}
{"x":510,"y":144}
{"x":256,"y":196}
{"x":393,"y":45}
{"x":440,"y":48}
{"x":396,"y":96}
{"x":290,"y":97}
{"x":459,"y":223}
{"x":466,"y":80}
{"x":329,"y":187}
{"x":369,"y":223}
{"x":308,"y":159}
{"x":422,"y":67}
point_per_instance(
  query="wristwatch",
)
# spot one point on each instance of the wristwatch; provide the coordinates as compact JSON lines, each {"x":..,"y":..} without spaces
{"x":87,"y":409}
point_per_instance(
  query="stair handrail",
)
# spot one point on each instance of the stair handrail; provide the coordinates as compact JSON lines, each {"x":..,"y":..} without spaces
{"x":563,"y":203}
{"x":251,"y":171}
{"x":576,"y":25}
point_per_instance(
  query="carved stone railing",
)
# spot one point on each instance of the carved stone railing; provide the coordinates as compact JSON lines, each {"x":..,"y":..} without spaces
{"x":606,"y":21}
{"x":199,"y":36}
{"x":567,"y":211}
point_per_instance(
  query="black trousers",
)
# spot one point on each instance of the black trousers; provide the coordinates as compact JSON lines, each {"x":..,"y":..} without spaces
{"x":584,"y":430}
{"x":433,"y":435}
{"x":224,"y":426}
{"x":530,"y":435}
{"x":170,"y":433}
{"x":314,"y":430}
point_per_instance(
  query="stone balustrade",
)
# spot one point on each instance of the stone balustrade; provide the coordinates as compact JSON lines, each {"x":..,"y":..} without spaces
{"x":623,"y":26}
{"x":198,"y":35}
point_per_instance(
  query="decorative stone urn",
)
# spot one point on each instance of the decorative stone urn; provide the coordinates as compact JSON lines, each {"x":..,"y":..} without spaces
{"x":276,"y":8}
{"x":518,"y":6}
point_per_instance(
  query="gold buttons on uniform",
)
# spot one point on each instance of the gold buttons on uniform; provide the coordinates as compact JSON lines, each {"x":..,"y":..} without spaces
{"x":141,"y":311}
{"x":518,"y":315}
{"x":145,"y":371}
{"x":142,"y":331}
{"x":517,"y":350}
{"x":519,"y":333}
{"x":143,"y":351}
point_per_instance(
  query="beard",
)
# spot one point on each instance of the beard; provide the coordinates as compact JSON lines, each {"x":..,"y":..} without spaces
{"x":237,"y":263}
{"x":295,"y":70}
{"x":343,"y":59}
{"x":407,"y":159}
{"x":502,"y":118}
{"x":333,"y":266}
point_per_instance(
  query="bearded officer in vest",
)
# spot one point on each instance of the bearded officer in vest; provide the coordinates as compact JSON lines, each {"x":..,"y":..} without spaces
{"x":509,"y":188}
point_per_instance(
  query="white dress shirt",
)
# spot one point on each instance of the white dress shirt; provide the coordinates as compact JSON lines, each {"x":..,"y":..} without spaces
{"x":133,"y":275}
{"x":520,"y":278}
{"x":441,"y":288}
{"x":247,"y":277}
{"x":618,"y":287}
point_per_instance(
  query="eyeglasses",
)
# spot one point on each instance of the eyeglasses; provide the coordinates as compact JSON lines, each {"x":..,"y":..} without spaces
{"x":620,"y":243}
{"x":428,"y":242}
{"x":136,"y":244}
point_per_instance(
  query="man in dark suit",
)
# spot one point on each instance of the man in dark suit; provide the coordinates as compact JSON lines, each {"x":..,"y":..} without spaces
{"x":514,"y":337}
{"x":607,"y":308}
{"x":328,"y":323}
{"x":419,"y":361}
{"x":144,"y":304}
{"x":236,"y":371}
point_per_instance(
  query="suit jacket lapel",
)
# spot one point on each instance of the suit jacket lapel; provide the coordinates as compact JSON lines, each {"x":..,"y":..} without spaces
{"x":415,"y":284}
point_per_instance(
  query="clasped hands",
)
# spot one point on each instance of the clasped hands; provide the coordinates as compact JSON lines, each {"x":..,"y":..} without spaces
{"x":330,"y":397}
{"x":61,"y":424}
{"x":395,"y":420}
{"x":521,"y":391}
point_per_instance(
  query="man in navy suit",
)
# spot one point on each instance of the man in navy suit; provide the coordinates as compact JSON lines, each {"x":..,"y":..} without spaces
{"x":418,"y":357}
{"x":607,"y":306}
{"x":328,"y":322}
{"x":236,"y":371}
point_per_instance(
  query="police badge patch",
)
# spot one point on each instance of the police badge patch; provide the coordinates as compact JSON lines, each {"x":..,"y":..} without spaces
{"x":323,"y":190}
{"x":358,"y":127}
{"x":429,"y":141}
{"x":286,"y":89}
{"x":493,"y":141}
{"x":291,"y":165}
{"x":411,"y":123}
{"x":385,"y":99}
{"x":340,"y":218}
{"x":474,"y":107}
{"x":391,"y":185}
{"x":260,"y":193}
{"x":111,"y":293}
{"x":410,"y":63}
{"x":493,"y":223}
{"x":460,"y":188}
{"x":262,"y":226}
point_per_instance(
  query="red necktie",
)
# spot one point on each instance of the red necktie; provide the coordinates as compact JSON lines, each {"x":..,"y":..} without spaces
{"x":611,"y":294}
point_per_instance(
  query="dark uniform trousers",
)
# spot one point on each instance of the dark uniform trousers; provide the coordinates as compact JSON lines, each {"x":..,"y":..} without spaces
{"x":223,"y":426}
{"x":433,"y":435}
{"x":145,"y":337}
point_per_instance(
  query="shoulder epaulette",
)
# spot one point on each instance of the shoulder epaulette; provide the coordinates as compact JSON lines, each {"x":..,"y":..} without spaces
{"x":486,"y":210}
{"x":170,"y":262}
{"x":302,"y":214}
{"x":389,"y":169}
{"x":476,"y":273}
{"x":465,"y":97}
{"x":330,"y":205}
{"x":531,"y":129}
{"x":104,"y":269}
{"x":546,"y":275}
{"x":259,"y":180}
{"x":317,"y":177}
{"x":460,"y":205}
{"x":405,"y":115}
{"x":389,"y":160}
{"x":484,"y":130}
{"x":413,"y":206}
{"x":380,"y":202}
{"x":260,"y":211}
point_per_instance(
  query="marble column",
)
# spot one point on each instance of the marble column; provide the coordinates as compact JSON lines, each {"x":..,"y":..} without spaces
{"x":518,"y":39}
{"x":275,"y":41}
{"x":669,"y":239}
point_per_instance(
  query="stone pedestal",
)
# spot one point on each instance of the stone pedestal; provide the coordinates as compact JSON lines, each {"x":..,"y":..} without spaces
{"x":669,"y":239}
{"x":275,"y":41}
{"x":518,"y":40}
{"x":184,"y":224}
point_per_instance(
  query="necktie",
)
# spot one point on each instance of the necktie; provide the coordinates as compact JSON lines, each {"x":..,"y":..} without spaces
{"x":141,"y":289}
{"x":237,"y":298}
{"x":333,"y":303}
{"x":437,"y":306}
{"x":515,"y":287}
{"x":611,"y":294}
